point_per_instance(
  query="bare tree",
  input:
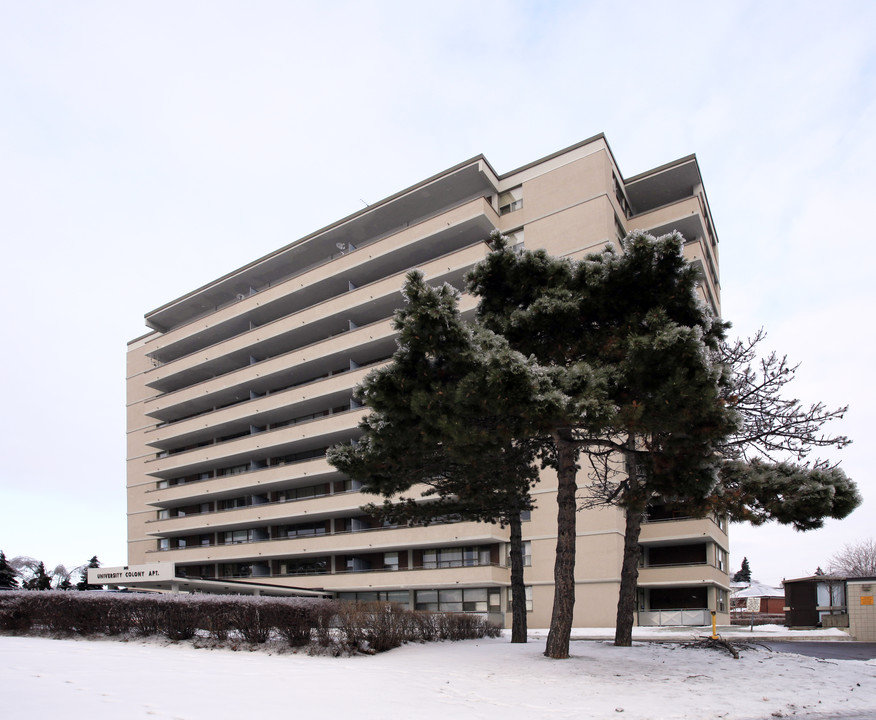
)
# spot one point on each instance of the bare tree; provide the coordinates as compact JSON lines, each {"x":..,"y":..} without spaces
{"x":855,"y":560}
{"x":61,"y":578}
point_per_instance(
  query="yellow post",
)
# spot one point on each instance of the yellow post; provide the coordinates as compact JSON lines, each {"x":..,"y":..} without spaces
{"x":714,"y":627}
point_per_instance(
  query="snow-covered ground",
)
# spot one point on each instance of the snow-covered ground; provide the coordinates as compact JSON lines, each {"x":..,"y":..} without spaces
{"x":489,"y":679}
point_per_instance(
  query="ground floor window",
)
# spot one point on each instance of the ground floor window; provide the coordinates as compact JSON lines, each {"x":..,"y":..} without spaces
{"x":528,"y":598}
{"x":458,"y":600}
{"x":722,"y":600}
{"x":399,"y":597}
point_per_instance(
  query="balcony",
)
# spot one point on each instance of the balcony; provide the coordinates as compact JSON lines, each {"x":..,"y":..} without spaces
{"x":275,"y":407}
{"x":360,"y":306}
{"x":687,"y":216}
{"x":376,"y":540}
{"x":263,"y":514}
{"x":363,"y":345}
{"x":661,"y":618}
{"x":691,"y":574}
{"x":681,"y":529}
{"x":260,"y":447}
{"x":437,"y":195}
{"x":280,"y":477}
{"x":470,"y":576}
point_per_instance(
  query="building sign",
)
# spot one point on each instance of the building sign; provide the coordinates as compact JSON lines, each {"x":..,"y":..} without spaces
{"x":131,"y":574}
{"x":866,"y":599}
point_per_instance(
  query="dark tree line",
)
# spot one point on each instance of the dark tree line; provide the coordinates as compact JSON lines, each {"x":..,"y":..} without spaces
{"x":30,"y":574}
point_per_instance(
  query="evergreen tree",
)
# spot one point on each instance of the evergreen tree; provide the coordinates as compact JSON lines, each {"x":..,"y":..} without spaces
{"x":8,"y":577}
{"x":83,"y":575}
{"x":65,"y":584}
{"x":40,"y":580}
{"x":758,"y":491}
{"x":757,"y":482}
{"x":633,"y":319}
{"x":744,"y":573}
{"x":453,"y":412}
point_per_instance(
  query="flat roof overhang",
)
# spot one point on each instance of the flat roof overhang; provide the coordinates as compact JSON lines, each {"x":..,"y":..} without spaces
{"x":221,"y":587}
{"x":461,"y":183}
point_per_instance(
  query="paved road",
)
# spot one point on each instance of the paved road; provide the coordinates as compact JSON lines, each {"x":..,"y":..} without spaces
{"x":827,"y":650}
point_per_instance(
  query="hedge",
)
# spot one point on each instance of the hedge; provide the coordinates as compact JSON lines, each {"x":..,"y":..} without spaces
{"x":320,"y":625}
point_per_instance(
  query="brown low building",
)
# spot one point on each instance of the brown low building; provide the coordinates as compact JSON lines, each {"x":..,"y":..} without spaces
{"x":816,"y":601}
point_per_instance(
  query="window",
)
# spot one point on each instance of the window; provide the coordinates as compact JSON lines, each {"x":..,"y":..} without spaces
{"x":515,"y":240}
{"x":305,"y":566}
{"x":528,"y":598}
{"x":479,"y":600}
{"x":303,"y":493}
{"x":721,"y":559}
{"x":620,"y":197}
{"x":722,"y":600}
{"x":303,"y":529}
{"x":234,"y":537}
{"x":235,"y":570}
{"x":456,"y":557}
{"x":526,"y":550}
{"x":619,"y":229}
{"x":232,"y":503}
{"x":693,"y":554}
{"x":511,"y":200}
{"x":398,"y":597}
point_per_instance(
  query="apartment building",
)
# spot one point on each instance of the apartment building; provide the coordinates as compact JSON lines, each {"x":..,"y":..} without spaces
{"x":240,"y":386}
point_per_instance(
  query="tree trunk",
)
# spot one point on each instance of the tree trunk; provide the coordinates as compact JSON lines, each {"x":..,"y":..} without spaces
{"x":518,"y":589}
{"x":626,"y":602}
{"x":564,"y":566}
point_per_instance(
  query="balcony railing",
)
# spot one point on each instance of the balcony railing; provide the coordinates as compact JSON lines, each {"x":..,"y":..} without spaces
{"x":654,"y":618}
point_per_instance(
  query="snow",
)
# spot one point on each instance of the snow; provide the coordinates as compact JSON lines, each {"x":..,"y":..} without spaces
{"x":483,"y":679}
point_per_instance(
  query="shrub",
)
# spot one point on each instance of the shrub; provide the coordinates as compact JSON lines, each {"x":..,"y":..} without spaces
{"x":15,"y":613}
{"x":329,"y":626}
{"x":180,"y":617}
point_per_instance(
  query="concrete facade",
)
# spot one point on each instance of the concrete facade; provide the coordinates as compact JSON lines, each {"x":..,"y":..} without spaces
{"x":241,"y":385}
{"x":862,"y":608}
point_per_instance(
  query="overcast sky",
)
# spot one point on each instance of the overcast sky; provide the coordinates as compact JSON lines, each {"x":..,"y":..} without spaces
{"x":147,"y":148}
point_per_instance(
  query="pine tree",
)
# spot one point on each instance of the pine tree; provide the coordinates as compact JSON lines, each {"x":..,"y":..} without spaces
{"x":758,"y":491}
{"x":757,"y":482}
{"x":452,"y":411}
{"x":744,"y":573}
{"x":40,"y":580}
{"x":8,"y":577}
{"x":634,"y":321}
{"x":83,"y":575}
{"x":65,"y":584}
